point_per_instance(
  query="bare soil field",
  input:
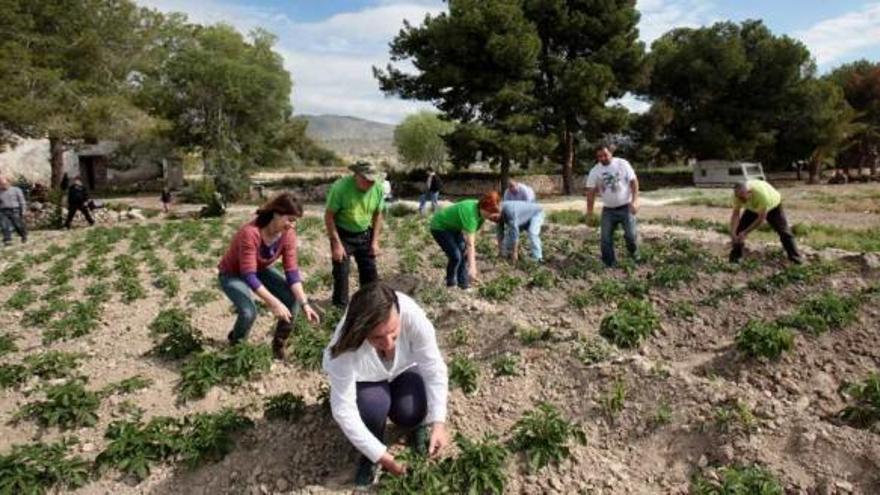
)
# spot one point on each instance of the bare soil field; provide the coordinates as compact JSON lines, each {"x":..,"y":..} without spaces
{"x":675,"y":368}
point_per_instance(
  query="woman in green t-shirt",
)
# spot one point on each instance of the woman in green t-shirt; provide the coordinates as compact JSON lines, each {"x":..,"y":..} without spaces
{"x":455,"y":228}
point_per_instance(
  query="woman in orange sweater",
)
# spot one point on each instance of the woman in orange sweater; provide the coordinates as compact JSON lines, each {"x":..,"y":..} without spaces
{"x":246,"y":269}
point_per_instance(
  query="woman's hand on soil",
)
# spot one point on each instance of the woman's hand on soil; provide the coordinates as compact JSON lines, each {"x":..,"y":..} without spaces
{"x":389,"y":464}
{"x":280,"y":311}
{"x":311,"y":314}
{"x":439,"y":439}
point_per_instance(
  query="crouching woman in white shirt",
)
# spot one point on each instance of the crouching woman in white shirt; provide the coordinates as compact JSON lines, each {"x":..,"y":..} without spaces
{"x":384,"y":363}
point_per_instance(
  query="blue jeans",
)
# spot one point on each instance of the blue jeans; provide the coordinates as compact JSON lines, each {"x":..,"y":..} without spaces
{"x":433,"y":197}
{"x":533,"y":230}
{"x":453,"y":245}
{"x":611,"y":217}
{"x":241,"y":295}
{"x":12,"y":219}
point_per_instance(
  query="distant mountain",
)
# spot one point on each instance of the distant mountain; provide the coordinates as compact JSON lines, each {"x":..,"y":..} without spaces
{"x":352,"y":137}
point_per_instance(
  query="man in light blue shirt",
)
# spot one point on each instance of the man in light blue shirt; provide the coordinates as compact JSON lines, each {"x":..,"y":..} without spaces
{"x":517,"y":216}
{"x":517,"y":191}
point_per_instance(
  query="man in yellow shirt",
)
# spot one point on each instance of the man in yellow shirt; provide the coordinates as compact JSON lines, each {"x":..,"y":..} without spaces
{"x":761,"y":202}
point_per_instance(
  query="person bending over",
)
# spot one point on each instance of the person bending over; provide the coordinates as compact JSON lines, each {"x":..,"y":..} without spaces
{"x":455,"y":230}
{"x":384,"y":363}
{"x":246,"y":269}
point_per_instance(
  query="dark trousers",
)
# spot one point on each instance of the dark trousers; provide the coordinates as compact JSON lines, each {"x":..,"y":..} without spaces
{"x":357,"y":245}
{"x":402,"y":400}
{"x":71,"y":212}
{"x":12,"y":219}
{"x":453,"y":245}
{"x":776,"y":219}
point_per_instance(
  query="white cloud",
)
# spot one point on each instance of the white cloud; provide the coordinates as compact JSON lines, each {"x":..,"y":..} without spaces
{"x":660,"y":16}
{"x":832,"y":39}
{"x":330,"y":61}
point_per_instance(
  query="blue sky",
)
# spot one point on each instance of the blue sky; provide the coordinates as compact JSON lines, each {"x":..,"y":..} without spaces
{"x":329,"y":46}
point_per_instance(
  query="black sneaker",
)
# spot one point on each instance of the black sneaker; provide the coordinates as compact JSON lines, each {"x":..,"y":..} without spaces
{"x":366,"y":472}
{"x":232,"y":339}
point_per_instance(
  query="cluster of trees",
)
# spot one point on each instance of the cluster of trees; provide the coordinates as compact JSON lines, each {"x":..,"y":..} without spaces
{"x":77,"y":71}
{"x":535,"y":80}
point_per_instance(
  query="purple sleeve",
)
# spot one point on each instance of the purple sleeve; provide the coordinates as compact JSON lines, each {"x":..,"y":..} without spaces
{"x":293,"y":276}
{"x":252,"y":280}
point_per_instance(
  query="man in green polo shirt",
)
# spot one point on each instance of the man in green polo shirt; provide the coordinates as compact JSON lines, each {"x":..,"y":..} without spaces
{"x":761,"y":202}
{"x":353,"y":218}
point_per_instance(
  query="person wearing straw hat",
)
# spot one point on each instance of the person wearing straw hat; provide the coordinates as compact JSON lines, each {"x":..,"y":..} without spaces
{"x":353,"y":218}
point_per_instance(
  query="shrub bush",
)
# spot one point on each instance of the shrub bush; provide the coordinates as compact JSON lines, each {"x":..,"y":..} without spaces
{"x":764,"y":339}
{"x":545,"y":436}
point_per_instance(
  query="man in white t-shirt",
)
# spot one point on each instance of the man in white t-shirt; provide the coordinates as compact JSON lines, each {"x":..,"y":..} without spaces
{"x":615,"y":181}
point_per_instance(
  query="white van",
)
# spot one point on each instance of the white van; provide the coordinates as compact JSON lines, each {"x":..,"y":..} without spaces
{"x":720,"y":173}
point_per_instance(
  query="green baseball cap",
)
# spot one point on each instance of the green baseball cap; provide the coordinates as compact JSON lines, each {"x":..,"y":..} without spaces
{"x":368,"y":171}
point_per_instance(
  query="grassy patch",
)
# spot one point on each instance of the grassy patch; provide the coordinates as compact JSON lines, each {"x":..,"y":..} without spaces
{"x":127,"y":385}
{"x":7,"y":344}
{"x":567,"y":217}
{"x":202,"y":297}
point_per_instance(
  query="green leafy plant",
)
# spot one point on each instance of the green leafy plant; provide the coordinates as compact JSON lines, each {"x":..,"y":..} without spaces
{"x":764,"y":339}
{"x":21,"y":299}
{"x":134,"y":447}
{"x":795,"y":274}
{"x":533,"y":335}
{"x":81,"y":319}
{"x":501,"y":288}
{"x":202,"y":297}
{"x":98,"y":292}
{"x":12,"y":375}
{"x":43,"y":314}
{"x":592,"y":350}
{"x":751,"y":480}
{"x":67,"y":405}
{"x":95,"y":268}
{"x":566,"y":217}
{"x":864,"y":409}
{"x":130,"y":288}
{"x":463,"y":373}
{"x":175,"y":334}
{"x":127,"y":385}
{"x":672,"y":276}
{"x":824,"y":313}
{"x":542,"y":278}
{"x":185,"y":262}
{"x":613,"y":400}
{"x":545,"y":436}
{"x":433,"y":296}
{"x":479,"y":466}
{"x":632,"y":322}
{"x":230,"y":367}
{"x":318,"y":281}
{"x":13,"y":274}
{"x":734,"y":416}
{"x":169,"y":283}
{"x":7,"y":344}
{"x":460,"y":336}
{"x":53,"y":364}
{"x":662,"y":415}
{"x":286,"y":406}
{"x":681,"y":309}
{"x":506,"y":365}
{"x":421,"y":476}
{"x":40,"y":467}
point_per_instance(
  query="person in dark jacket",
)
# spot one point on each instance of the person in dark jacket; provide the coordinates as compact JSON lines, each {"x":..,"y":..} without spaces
{"x":77,"y":199}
